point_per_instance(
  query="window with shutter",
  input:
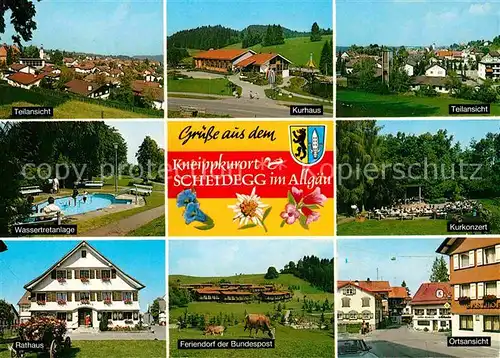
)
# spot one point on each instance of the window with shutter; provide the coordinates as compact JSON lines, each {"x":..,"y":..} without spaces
{"x":68,"y":273}
{"x":480,"y":290}
{"x":456,"y":292}
{"x":113,"y":273}
{"x":455,"y":262}
{"x":471,"y":258}
{"x":497,"y":253}
{"x":473,"y":291}
{"x":77,"y":274}
{"x":479,"y":257}
{"x":98,"y":274}
{"x":77,"y":296}
{"x":99,"y":296}
{"x":92,"y":274}
{"x":134,"y":296}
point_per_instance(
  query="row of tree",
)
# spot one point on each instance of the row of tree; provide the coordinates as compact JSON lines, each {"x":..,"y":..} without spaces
{"x":361,"y":145}
{"x":318,"y":272}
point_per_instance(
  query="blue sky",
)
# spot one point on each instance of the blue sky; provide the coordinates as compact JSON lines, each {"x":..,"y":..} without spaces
{"x":25,"y":260}
{"x":293,"y":14}
{"x":134,"y":133}
{"x":416,"y":22}
{"x":414,"y":258}
{"x":228,"y":257}
{"x":462,"y":130}
{"x":108,"y":27}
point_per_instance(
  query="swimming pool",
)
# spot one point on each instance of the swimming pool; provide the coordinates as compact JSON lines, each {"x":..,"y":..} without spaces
{"x":94,"y":202}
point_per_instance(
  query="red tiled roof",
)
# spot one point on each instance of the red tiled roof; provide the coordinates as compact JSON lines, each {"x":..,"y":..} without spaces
{"x":25,"y":78}
{"x":221,"y":54}
{"x":275,"y":293}
{"x":81,"y":87}
{"x":374,"y":286}
{"x":426,"y":293}
{"x":398,"y":292}
{"x":17,"y":66}
{"x":202,"y":291}
{"x":341,"y":284}
{"x":258,"y":59}
{"x":444,"y":53}
{"x":25,"y":299}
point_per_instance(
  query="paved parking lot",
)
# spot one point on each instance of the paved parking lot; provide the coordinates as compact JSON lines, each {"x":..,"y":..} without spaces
{"x":404,"y":342}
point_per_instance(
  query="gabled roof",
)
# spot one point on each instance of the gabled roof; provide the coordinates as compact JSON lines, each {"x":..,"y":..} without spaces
{"x":25,"y":300}
{"x":17,"y":66}
{"x":222,"y":54}
{"x":82,"y":87}
{"x":434,"y":64}
{"x":374,"y":286}
{"x":29,"y":286}
{"x":427,"y":293}
{"x":446,"y":245}
{"x":259,"y":59}
{"x":25,"y":78}
{"x":342,"y":284}
{"x":398,"y":292}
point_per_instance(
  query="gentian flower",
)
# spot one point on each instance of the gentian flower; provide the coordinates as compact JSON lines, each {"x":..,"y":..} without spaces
{"x":185,"y":197}
{"x":194,"y":213}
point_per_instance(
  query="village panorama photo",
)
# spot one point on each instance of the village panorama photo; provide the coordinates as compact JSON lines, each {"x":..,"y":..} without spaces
{"x":80,"y":66}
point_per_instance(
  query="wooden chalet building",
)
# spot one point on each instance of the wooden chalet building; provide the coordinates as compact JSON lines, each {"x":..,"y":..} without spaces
{"x":275,"y":296}
{"x":236,"y":296}
{"x":205,"y":294}
{"x":263,"y":62}
{"x":221,"y":60}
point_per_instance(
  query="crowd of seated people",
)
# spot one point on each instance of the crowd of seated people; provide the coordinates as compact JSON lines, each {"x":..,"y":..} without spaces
{"x":412,"y":210}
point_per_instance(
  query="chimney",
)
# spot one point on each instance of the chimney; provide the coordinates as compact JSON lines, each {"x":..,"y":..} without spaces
{"x":356,"y":283}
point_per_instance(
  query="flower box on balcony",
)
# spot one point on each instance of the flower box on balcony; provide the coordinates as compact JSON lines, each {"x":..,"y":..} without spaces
{"x":61,"y":302}
{"x":127,"y":302}
{"x":106,"y":279}
{"x":107,"y":302}
{"x":84,"y":279}
{"x":86,"y":302}
{"x":463,"y":300}
{"x":489,"y":298}
{"x":40,"y":303}
{"x":61,"y":280}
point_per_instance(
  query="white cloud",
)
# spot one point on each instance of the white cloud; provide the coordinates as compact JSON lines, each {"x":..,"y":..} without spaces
{"x":480,"y":9}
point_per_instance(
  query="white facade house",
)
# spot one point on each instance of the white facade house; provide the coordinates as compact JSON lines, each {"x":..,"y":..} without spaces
{"x":357,"y":304}
{"x":431,"y":307}
{"x":435,"y":71}
{"x":409,"y":69}
{"x":489,"y":67}
{"x":82,"y":288}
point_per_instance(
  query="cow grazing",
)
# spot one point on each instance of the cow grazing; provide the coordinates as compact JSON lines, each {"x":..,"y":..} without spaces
{"x":214,"y":330}
{"x":259,"y":321}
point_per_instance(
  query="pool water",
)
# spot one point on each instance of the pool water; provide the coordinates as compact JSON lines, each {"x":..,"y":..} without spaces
{"x":94,"y":202}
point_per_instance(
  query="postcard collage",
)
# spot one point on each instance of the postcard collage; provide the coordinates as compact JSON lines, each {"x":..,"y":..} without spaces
{"x":282,"y":179}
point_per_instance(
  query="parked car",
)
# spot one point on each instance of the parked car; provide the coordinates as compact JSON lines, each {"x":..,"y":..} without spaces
{"x":348,"y":348}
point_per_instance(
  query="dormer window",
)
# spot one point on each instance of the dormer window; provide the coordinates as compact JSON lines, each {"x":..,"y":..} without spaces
{"x":84,"y":254}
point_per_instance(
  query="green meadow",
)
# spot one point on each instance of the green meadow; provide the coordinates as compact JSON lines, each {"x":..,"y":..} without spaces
{"x":216,"y":86}
{"x":297,"y":49}
{"x":365,"y":104}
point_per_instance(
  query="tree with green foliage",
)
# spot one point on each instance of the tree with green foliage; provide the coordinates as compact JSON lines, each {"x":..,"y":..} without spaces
{"x":154,"y":309}
{"x":439,"y":271}
{"x":22,"y":13}
{"x":149,"y":157}
{"x":57,"y":58}
{"x":315,"y":33}
{"x":6,"y":314}
{"x":30,"y":52}
{"x":326,"y":59}
{"x":272,"y":273}
{"x":175,"y":55}
{"x":403,"y":284}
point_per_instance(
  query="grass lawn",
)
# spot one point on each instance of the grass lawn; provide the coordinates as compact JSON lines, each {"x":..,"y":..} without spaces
{"x":108,"y":349}
{"x":300,"y":100}
{"x":217,"y":86}
{"x":154,"y":200}
{"x":74,"y":110}
{"x":393,"y":227}
{"x":289,"y":343}
{"x":296,"y":49}
{"x":363,"y":104}
{"x":153,"y":228}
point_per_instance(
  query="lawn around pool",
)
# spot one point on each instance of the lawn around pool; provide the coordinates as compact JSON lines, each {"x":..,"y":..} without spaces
{"x":108,"y":349}
{"x":289,"y":343}
{"x":364,"y":104}
{"x":216,"y":86}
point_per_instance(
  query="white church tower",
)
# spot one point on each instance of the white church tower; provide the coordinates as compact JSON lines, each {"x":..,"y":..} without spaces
{"x":42,"y":54}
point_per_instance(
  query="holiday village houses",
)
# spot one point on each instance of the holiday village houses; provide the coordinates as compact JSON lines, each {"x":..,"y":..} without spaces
{"x":82,"y":288}
{"x":236,"y":292}
{"x":372,"y":302}
{"x":93,"y":76}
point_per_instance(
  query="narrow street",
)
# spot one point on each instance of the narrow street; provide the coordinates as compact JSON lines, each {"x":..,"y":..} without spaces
{"x":404,"y":342}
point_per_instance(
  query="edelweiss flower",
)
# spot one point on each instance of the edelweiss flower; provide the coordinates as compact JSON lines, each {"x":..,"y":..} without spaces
{"x":248,"y":209}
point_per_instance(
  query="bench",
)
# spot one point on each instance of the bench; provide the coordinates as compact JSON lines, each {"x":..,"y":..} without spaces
{"x":44,"y":219}
{"x":30,"y":190}
{"x":140,"y":189}
{"x":93,"y":184}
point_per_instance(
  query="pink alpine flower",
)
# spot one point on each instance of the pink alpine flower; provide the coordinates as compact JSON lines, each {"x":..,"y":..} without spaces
{"x":311,"y":215}
{"x":290,"y":214}
{"x":315,"y":198}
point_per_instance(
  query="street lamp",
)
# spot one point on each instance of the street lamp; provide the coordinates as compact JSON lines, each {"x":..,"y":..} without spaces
{"x":116,"y":167}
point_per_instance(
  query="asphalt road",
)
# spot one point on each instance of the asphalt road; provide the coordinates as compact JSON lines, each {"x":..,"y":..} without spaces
{"x":404,"y":342}
{"x":156,"y":333}
{"x":238,"y":108}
